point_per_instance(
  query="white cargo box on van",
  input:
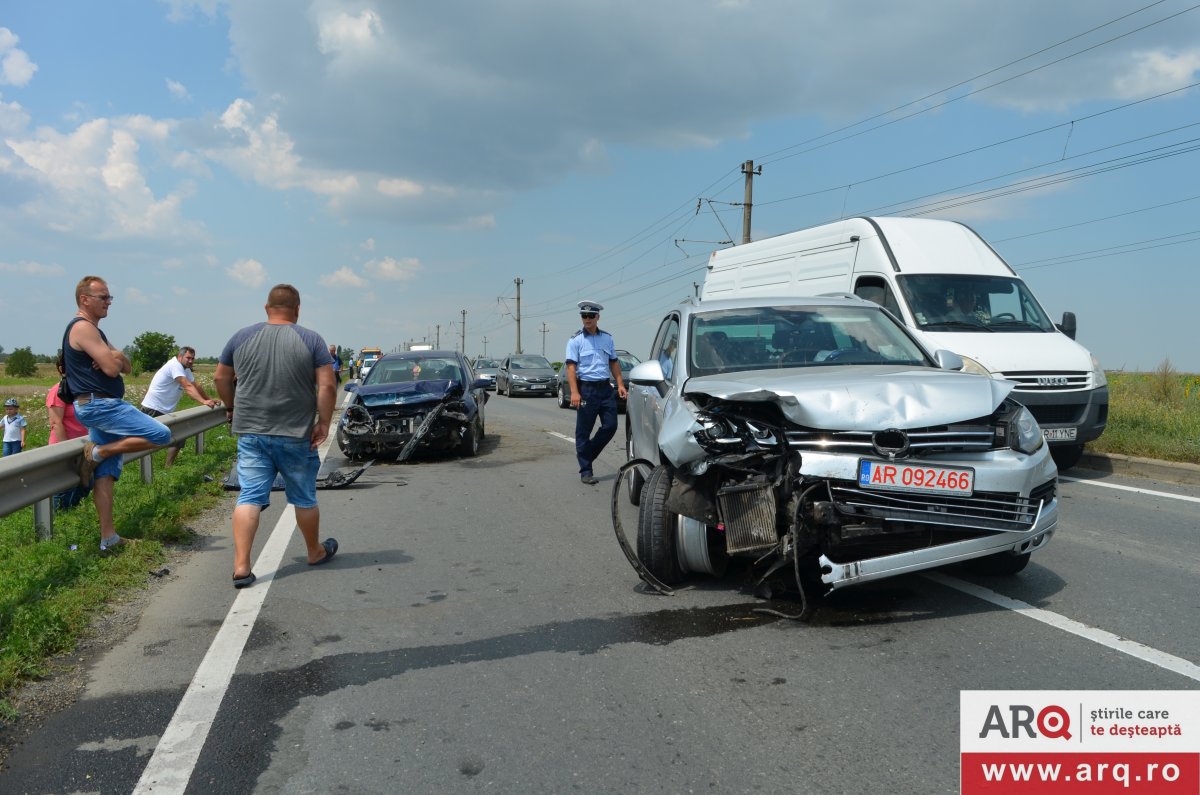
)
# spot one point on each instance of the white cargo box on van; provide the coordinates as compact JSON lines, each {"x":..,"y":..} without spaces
{"x":942,"y":280}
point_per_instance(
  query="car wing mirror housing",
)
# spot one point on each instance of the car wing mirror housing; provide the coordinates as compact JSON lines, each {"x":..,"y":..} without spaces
{"x":350,"y":387}
{"x":948,"y":360}
{"x":647,"y":373}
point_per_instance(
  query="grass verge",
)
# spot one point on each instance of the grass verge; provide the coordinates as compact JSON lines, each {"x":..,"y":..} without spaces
{"x":50,"y":590}
{"x":1153,"y":415}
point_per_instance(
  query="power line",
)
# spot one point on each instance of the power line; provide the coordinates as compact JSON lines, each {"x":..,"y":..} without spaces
{"x":1095,"y":220}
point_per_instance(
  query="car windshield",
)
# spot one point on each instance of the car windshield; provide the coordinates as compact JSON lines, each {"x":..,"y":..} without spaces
{"x":951,"y":302}
{"x":627,"y":360}
{"x":529,"y":363}
{"x":486,"y":363}
{"x":759,"y":338}
{"x":409,"y":370}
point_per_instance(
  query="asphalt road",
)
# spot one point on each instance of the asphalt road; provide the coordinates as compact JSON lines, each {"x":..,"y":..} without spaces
{"x":480,"y":631}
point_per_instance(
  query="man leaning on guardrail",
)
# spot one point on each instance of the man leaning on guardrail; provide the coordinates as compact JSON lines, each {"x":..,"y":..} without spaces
{"x":93,"y":372}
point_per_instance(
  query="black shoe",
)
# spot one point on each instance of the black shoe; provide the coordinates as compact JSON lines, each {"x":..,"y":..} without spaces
{"x":589,"y":479}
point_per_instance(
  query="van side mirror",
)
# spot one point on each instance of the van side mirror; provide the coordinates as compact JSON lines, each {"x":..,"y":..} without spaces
{"x":1068,"y":325}
{"x":948,"y":360}
{"x":648,"y":373}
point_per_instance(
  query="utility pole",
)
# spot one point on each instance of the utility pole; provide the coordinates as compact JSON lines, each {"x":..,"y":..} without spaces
{"x":464,"y":332}
{"x":485,"y":347}
{"x":696,"y":287}
{"x":749,"y":170}
{"x":545,"y":328}
{"x":438,"y":344}
{"x":519,"y":281}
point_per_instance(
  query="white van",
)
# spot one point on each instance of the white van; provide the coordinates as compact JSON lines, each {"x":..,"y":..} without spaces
{"x":941,"y":279}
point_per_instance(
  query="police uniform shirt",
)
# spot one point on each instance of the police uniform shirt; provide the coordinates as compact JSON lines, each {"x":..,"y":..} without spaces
{"x":591,"y":354}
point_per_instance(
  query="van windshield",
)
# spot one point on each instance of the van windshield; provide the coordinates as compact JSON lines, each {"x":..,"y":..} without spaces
{"x":954,"y":302}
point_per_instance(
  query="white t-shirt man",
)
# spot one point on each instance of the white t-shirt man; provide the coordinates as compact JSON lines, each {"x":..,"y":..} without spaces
{"x":165,"y":390}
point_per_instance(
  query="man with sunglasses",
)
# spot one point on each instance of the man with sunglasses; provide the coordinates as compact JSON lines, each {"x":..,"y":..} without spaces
{"x":93,"y":372}
{"x":590,"y":360}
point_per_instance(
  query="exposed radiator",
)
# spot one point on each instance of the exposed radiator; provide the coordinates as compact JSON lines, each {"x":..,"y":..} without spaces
{"x":748,"y":513}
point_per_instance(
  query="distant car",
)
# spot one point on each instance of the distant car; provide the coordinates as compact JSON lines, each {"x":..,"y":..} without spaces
{"x":486,"y":368}
{"x":627,"y":360}
{"x":364,"y":369}
{"x":526,"y":373}
{"x":412,"y":401}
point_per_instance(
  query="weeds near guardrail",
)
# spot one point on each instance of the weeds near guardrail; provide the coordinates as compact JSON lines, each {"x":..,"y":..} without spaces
{"x":1153,"y":415}
{"x":50,"y":590}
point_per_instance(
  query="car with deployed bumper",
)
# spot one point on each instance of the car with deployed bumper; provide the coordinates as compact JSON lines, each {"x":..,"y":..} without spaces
{"x":819,"y":436}
{"x":526,"y":374}
{"x":627,"y":361}
{"x":414,"y":401}
{"x":486,"y":368}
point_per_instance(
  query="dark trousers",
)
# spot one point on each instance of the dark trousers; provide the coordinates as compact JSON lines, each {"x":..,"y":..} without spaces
{"x":599,"y":400}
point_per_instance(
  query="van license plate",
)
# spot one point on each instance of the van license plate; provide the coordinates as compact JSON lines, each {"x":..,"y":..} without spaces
{"x":888,"y":476}
{"x":1060,"y":434}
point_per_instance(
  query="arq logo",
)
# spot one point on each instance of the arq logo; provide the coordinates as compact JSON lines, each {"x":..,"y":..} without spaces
{"x":1053,"y":722}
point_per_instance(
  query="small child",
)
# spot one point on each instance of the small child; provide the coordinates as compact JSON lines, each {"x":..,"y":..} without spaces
{"x":14,"y":428}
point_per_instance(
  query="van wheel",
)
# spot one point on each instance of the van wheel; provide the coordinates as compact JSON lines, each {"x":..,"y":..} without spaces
{"x":657,"y":528}
{"x":1005,"y":564}
{"x":1067,"y":455}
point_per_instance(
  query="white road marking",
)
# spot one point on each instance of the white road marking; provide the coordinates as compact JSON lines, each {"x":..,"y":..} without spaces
{"x":175,"y":755}
{"x":1131,"y":488}
{"x":1115,"y":642}
{"x":562,"y":436}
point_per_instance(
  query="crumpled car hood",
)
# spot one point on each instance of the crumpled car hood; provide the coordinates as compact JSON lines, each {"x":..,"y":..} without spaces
{"x":861,"y":397}
{"x":402,"y":394}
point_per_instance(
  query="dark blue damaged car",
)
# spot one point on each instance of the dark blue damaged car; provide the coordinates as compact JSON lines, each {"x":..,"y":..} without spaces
{"x":411,"y":402}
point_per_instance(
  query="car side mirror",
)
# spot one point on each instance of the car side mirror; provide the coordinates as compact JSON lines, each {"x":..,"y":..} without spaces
{"x":480,"y":383}
{"x":350,"y":387}
{"x":647,"y":373}
{"x":948,"y":360}
{"x":1068,"y":325}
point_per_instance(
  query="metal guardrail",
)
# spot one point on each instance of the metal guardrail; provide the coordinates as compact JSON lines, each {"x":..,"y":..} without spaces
{"x":35,"y":476}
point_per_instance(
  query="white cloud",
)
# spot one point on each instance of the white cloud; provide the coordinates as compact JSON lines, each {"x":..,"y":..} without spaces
{"x":92,"y":182}
{"x":178,"y":90}
{"x":368,"y":244}
{"x":15,"y":67}
{"x":399,"y":188}
{"x":13,"y":118}
{"x":1157,"y":71}
{"x":135,"y":296}
{"x":32,"y":269}
{"x":391,"y":269}
{"x":249,"y":272}
{"x":342,"y":277}
{"x":343,"y":33}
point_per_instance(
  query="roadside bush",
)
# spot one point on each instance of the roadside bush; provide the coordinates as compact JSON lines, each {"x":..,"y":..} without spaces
{"x":21,"y":364}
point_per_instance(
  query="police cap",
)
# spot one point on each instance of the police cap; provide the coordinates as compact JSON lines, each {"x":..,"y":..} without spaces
{"x":589,"y":306}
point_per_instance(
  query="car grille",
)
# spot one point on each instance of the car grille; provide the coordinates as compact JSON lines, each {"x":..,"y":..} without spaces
{"x":1048,"y":380}
{"x":965,"y":437}
{"x":995,"y":511}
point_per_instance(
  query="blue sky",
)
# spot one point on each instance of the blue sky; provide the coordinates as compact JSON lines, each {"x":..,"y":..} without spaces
{"x":401,"y":162}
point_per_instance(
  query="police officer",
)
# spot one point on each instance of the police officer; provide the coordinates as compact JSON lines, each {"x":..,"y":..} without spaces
{"x":591,"y":358}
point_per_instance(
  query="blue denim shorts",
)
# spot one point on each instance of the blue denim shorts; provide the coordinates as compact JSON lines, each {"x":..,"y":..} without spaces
{"x":110,"y":420}
{"x":260,"y":457}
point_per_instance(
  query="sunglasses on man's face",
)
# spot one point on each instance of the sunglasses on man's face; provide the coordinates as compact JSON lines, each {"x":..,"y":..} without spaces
{"x":588,"y":315}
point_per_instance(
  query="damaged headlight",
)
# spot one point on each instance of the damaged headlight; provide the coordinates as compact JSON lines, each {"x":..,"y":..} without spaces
{"x":1024,"y":433}
{"x":720,"y":434}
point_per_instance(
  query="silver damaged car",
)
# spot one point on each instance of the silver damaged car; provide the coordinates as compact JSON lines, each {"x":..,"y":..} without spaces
{"x":818,"y":435}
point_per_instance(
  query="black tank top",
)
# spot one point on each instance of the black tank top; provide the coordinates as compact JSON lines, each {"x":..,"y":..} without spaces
{"x":82,"y":377}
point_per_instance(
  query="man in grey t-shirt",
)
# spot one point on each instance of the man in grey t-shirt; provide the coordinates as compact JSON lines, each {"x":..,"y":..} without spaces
{"x":277,"y":385}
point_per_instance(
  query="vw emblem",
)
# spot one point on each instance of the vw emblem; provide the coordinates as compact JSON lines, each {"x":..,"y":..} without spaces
{"x":891,"y":444}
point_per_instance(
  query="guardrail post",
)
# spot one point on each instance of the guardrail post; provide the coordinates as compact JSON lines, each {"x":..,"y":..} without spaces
{"x":147,"y":464}
{"x":200,"y":443}
{"x":43,"y":518}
